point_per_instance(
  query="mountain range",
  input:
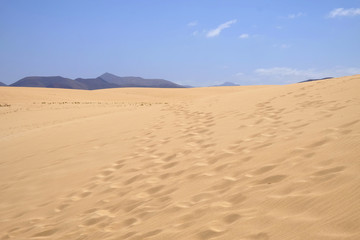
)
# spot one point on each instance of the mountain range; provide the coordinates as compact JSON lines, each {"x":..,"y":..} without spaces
{"x":107,"y":80}
{"x":138,"y":82}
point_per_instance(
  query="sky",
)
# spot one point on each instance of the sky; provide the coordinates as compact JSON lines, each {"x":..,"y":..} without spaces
{"x":191,"y":42}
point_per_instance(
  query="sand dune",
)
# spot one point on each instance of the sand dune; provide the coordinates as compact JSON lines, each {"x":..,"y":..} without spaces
{"x":253,"y":162}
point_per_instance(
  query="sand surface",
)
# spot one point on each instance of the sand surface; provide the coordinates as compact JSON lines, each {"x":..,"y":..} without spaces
{"x":252,"y":162}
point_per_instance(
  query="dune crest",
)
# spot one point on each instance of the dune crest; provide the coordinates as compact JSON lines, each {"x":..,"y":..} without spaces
{"x":247,"y":162}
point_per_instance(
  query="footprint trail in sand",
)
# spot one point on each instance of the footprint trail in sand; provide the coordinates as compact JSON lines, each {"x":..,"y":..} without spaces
{"x":261,"y":162}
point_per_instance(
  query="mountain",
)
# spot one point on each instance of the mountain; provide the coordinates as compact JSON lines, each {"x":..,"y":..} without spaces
{"x":49,"y":82}
{"x":311,"y":80}
{"x":138,"y":82}
{"x":2,"y":84}
{"x":95,"y":83}
{"x":226,"y":84}
{"x":106,"y":80}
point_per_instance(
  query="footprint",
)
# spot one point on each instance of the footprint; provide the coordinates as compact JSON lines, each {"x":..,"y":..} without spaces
{"x":221,"y":204}
{"x":169,"y":165}
{"x":155,"y":189}
{"x":262,"y":146}
{"x":153,"y":180}
{"x":346,"y":131}
{"x":309,"y":155}
{"x":349,"y":124}
{"x":107,"y":172}
{"x":85,"y":194}
{"x":152,"y":233}
{"x":120,"y":161}
{"x":329,"y":171}
{"x":259,"y":236}
{"x":93,"y":221}
{"x":130,"y":221}
{"x":92,"y":210}
{"x":211,"y":233}
{"x":201,"y":197}
{"x":61,"y":207}
{"x":318,"y":143}
{"x":237,"y":198}
{"x":264,"y":169}
{"x":231,"y":218}
{"x":118,"y":166}
{"x":133,"y":179}
{"x":224,"y":185}
{"x":169,"y":158}
{"x":127,"y":235}
{"x":272,"y":179}
{"x":45,"y":233}
{"x":103,"y":212}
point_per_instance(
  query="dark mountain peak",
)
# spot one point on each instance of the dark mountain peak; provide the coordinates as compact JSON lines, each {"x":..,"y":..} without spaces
{"x":95,"y":83}
{"x":48,"y":82}
{"x":107,"y":75}
{"x":2,"y":84}
{"x":138,"y":81}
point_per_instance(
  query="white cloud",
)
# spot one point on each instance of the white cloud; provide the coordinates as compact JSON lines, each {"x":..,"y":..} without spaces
{"x":195,"y":33}
{"x":292,"y":16}
{"x":216,"y":32}
{"x":286,"y":74}
{"x":283,"y":46}
{"x":346,"y":71}
{"x":239,"y":74}
{"x":192,"y":24}
{"x":341,"y":12}
{"x":281,"y":71}
{"x":244,"y":35}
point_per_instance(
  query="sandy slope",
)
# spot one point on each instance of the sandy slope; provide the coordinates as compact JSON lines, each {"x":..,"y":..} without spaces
{"x":260,"y":162}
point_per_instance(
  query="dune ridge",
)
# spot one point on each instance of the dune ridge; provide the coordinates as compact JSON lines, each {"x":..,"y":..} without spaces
{"x":247,"y":162}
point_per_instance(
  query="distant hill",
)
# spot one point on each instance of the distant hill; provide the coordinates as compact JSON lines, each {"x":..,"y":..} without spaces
{"x":2,"y":84}
{"x":49,"y":82}
{"x":227,"y":84}
{"x":311,"y":80}
{"x":95,"y":83}
{"x":138,"y":82}
{"x":106,"y":80}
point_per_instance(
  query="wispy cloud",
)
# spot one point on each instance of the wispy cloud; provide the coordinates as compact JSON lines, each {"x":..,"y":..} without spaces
{"x":282,"y":71}
{"x":216,"y":32}
{"x":283,"y":45}
{"x":286,"y":74}
{"x":244,"y":35}
{"x":342,"y":12}
{"x":192,"y":24}
{"x":296,"y":15}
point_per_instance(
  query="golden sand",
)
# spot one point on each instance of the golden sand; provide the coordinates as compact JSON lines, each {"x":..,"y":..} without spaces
{"x":252,"y":162}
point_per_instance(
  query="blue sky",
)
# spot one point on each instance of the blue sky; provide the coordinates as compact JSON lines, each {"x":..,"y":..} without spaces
{"x":190,"y":42}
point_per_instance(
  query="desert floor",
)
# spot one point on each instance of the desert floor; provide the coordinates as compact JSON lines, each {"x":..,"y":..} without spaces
{"x":252,"y":162}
